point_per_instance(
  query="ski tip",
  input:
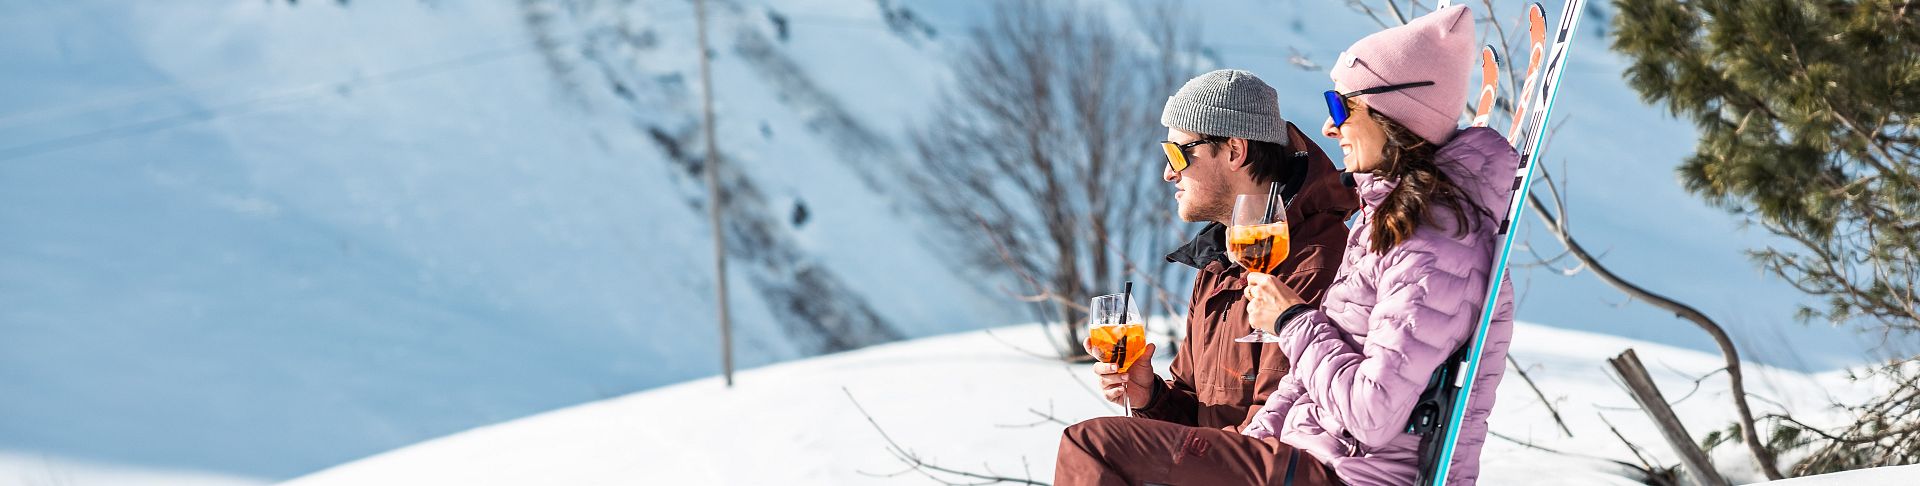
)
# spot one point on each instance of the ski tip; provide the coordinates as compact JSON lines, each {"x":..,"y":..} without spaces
{"x":1489,"y":82}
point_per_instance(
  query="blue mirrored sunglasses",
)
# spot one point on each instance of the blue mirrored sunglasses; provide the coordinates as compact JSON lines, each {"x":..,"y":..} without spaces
{"x":1337,"y":101}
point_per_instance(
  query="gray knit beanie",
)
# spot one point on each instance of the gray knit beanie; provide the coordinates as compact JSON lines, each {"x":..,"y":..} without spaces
{"x":1227,"y":103}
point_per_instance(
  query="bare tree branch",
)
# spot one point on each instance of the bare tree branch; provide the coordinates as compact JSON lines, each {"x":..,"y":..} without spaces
{"x":927,"y":468}
{"x":1360,"y":6}
{"x":1630,"y":446}
{"x":1645,"y":472}
{"x":1720,"y":337}
{"x":1038,"y":144}
{"x":1395,"y":9}
{"x":1046,"y":417}
{"x":1522,"y":370}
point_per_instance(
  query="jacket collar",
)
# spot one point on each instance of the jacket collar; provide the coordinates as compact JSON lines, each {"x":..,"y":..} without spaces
{"x":1210,"y":245}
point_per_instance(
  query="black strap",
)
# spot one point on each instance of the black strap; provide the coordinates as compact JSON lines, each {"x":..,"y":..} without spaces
{"x":1432,"y":413}
{"x":1293,"y":457}
{"x":1288,"y":315}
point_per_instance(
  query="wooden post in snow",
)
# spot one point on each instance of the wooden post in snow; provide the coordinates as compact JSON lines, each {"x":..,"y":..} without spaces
{"x":714,"y":199}
{"x":1640,"y":385}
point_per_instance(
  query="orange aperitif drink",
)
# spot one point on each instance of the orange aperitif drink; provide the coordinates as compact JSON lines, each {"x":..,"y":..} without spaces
{"x":1258,"y":247}
{"x":1117,"y":343}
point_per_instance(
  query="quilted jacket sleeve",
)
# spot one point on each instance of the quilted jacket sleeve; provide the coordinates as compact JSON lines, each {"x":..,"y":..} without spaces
{"x":1425,"y":309}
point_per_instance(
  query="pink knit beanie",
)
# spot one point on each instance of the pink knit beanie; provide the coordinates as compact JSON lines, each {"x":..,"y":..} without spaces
{"x":1436,"y":47}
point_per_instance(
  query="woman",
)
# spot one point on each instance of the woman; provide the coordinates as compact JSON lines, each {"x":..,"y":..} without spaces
{"x":1409,"y":291}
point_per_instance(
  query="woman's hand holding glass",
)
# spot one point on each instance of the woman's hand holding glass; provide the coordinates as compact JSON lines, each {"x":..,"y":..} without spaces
{"x":1267,"y":297}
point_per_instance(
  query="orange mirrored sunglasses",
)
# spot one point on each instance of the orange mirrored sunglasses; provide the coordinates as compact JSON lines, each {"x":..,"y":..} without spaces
{"x":1177,"y":156}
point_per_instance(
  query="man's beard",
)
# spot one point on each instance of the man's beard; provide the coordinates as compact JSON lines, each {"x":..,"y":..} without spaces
{"x":1205,"y":209}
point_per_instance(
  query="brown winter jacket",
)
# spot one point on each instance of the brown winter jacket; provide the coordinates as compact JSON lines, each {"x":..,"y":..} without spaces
{"x":1219,"y":383}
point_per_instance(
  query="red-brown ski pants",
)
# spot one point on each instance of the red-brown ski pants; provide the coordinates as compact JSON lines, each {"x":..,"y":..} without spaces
{"x":1131,"y":451}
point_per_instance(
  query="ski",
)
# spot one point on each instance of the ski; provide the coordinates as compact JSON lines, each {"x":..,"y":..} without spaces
{"x":1441,"y":412}
{"x":1536,"y":48}
{"x":1489,"y":82}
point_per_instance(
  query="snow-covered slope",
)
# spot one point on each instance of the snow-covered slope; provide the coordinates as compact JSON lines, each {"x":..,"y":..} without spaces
{"x":30,"y":469}
{"x":263,"y":237}
{"x":980,"y":402}
{"x":1896,"y":475}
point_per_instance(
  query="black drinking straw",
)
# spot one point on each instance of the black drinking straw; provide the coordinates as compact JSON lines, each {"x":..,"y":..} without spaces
{"x":1273,"y":195}
{"x":1126,"y":302}
{"x":1120,"y":349}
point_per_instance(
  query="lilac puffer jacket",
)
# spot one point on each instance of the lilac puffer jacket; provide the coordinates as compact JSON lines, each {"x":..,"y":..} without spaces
{"x":1360,"y":361}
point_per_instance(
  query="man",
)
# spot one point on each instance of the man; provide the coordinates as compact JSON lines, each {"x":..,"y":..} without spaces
{"x":1226,"y":125}
{"x":1226,"y":138}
